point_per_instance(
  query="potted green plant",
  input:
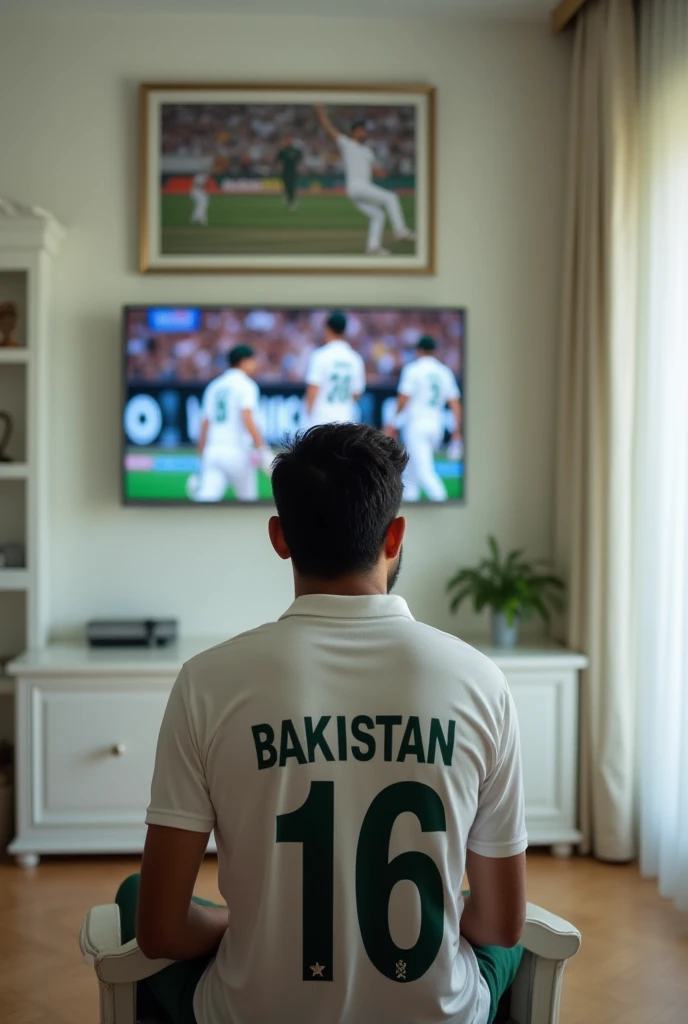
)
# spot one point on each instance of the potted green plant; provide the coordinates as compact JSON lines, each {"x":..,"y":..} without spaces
{"x":513,"y":589}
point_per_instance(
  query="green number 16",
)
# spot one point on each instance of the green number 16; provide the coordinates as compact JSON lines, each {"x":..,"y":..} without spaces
{"x":313,"y":826}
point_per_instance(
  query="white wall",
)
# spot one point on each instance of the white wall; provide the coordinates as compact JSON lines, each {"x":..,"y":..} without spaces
{"x":69,"y":143}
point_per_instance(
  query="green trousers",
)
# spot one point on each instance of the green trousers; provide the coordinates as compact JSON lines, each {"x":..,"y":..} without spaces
{"x":290,"y":182}
{"x":172,"y":990}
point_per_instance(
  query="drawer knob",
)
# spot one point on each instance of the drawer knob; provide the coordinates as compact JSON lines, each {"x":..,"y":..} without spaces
{"x":118,"y":750}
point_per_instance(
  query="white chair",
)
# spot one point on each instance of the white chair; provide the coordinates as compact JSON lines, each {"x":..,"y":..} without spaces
{"x":549,"y":942}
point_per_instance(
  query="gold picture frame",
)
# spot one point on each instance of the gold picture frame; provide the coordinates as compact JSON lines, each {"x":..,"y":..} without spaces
{"x":267,"y":178}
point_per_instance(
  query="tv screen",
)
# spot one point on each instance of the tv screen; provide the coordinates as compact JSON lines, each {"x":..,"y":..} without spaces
{"x":212,"y":393}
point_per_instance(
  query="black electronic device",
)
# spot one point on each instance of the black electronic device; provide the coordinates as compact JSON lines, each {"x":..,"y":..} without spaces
{"x":131,"y":632}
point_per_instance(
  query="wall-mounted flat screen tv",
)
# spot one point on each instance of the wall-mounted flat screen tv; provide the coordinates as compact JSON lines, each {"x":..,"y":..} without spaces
{"x":211,"y":393}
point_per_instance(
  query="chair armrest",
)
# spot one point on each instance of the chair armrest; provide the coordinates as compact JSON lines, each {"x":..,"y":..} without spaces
{"x":546,"y":935}
{"x":100,"y":932}
{"x":548,"y":941}
{"x":101,"y":947}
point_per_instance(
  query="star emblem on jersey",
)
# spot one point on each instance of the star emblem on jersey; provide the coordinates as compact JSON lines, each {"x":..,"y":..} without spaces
{"x":317,"y":970}
{"x":401,"y":970}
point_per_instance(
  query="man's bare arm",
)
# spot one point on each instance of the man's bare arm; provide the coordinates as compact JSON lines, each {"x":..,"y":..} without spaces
{"x":203,"y":436}
{"x":168,"y":924}
{"x":250,"y":424}
{"x":455,"y":406}
{"x":392,"y":428}
{"x":495,"y":912}
{"x":311,"y":395}
{"x":325,"y":122}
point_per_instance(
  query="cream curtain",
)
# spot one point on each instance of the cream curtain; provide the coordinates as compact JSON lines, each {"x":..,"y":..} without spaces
{"x":595,"y":429}
{"x":661,"y":577}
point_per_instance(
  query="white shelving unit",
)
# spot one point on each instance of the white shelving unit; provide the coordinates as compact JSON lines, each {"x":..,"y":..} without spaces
{"x":13,"y":356}
{"x":29,"y":240}
{"x":14,"y":580}
{"x":14,"y":471}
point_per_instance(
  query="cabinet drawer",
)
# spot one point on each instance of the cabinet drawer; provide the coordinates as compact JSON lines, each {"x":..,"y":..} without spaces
{"x":93,"y":752}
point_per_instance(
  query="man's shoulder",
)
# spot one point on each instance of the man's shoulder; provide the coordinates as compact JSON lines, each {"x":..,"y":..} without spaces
{"x":459,"y":658}
{"x":224,"y":378}
{"x":212,"y":385}
{"x":230,"y":652}
{"x":409,"y":372}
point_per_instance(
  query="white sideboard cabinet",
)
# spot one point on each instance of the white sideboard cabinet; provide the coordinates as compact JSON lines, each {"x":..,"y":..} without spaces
{"x":544,"y":682}
{"x":88,"y":720}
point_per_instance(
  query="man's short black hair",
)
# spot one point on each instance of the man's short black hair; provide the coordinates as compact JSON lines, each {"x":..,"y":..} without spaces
{"x":358,"y":123}
{"x":427,"y":343}
{"x":238,"y":354}
{"x":337,"y":489}
{"x":336,"y":321}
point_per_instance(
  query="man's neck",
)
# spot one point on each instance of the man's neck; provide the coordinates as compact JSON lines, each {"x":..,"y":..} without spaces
{"x":346,"y":586}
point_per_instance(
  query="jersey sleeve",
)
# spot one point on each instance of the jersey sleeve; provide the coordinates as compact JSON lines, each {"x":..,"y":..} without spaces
{"x":179,"y":792}
{"x":342,"y":142}
{"x":207,"y":403}
{"x":406,"y":382}
{"x":452,"y":387}
{"x":314,"y":374}
{"x":499,"y":828}
{"x":249,"y":395}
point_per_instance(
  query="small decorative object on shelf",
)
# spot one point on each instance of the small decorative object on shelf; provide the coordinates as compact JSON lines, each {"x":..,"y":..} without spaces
{"x":513,"y":589}
{"x":12,"y":556}
{"x":9,"y":315}
{"x":5,"y":435}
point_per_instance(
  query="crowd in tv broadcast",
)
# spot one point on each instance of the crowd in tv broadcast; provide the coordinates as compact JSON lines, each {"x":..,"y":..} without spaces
{"x":284,"y":341}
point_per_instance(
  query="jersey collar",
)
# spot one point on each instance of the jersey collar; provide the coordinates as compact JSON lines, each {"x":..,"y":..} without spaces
{"x":336,"y":606}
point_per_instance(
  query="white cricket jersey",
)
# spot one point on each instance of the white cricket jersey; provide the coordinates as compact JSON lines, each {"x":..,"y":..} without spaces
{"x":224,"y":400}
{"x":336,"y":752}
{"x":339,"y":374}
{"x":429,"y":385}
{"x":359,"y":161}
{"x":199,"y":181}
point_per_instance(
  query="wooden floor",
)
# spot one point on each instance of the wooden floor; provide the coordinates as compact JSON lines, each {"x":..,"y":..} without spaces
{"x":632,"y":968}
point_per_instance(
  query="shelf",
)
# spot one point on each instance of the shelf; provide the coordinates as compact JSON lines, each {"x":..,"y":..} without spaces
{"x":14,"y":579}
{"x":14,"y":356}
{"x":13,"y":471}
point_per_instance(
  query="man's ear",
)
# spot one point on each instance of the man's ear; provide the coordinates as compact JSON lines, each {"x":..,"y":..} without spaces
{"x":277,"y":537}
{"x":395,"y":537}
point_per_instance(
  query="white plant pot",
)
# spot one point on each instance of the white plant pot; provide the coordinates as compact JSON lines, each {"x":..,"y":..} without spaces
{"x":504,"y":635}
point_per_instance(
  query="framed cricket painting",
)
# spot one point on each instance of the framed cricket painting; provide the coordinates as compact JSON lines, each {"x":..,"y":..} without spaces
{"x":268,"y":178}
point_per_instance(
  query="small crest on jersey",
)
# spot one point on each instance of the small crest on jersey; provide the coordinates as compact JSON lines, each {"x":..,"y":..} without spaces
{"x":401,"y":970}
